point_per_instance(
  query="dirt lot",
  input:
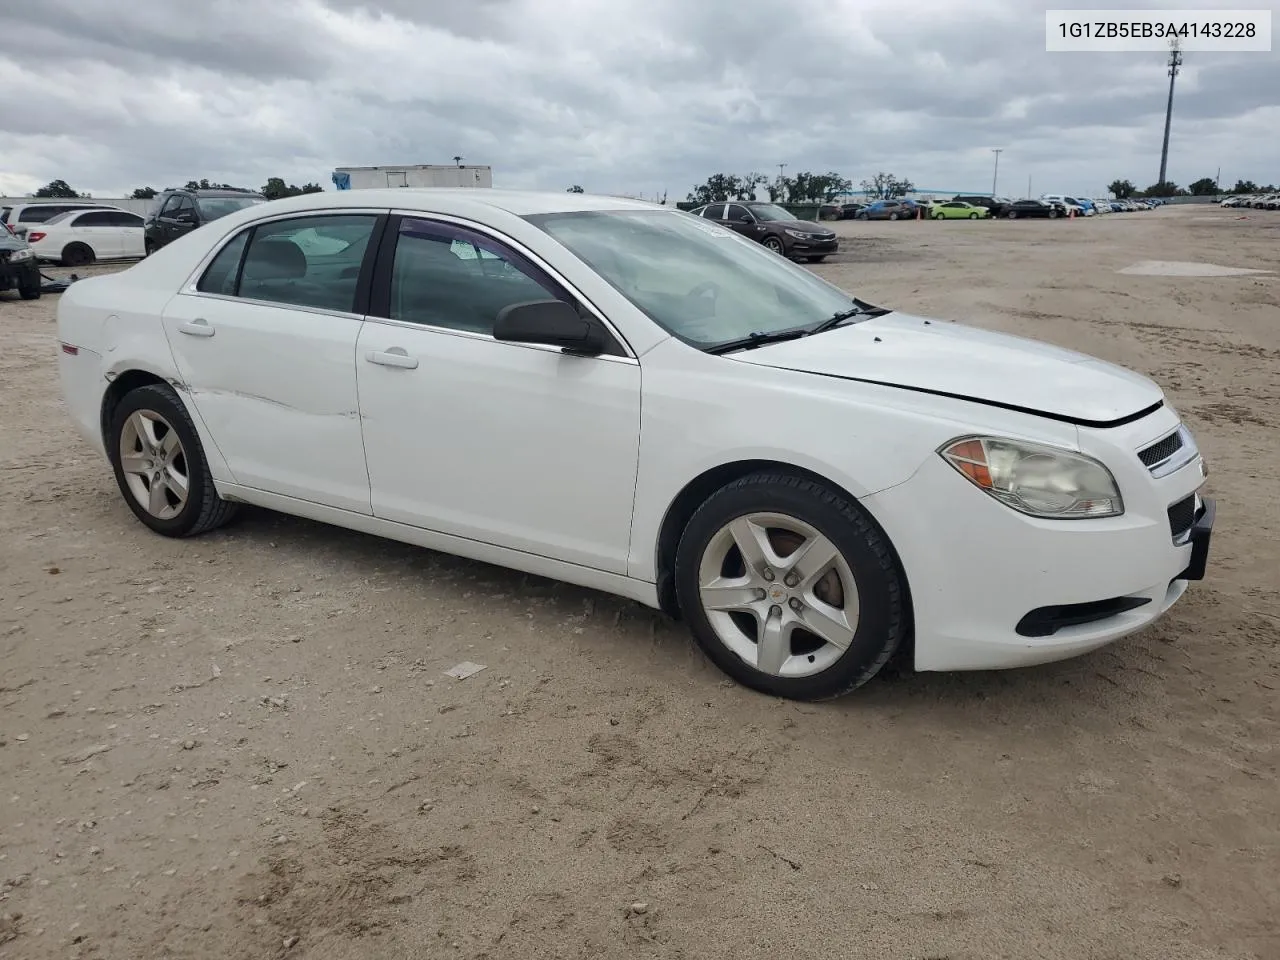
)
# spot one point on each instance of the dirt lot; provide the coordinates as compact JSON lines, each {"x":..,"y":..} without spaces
{"x":244,"y":745}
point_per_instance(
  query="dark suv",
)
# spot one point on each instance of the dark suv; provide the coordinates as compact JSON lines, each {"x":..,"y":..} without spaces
{"x":181,"y":211}
{"x":775,"y":227}
{"x":997,"y":205}
{"x":18,"y":267}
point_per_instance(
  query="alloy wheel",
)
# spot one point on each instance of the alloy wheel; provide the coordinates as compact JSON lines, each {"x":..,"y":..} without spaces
{"x":154,"y":464}
{"x":779,"y":594}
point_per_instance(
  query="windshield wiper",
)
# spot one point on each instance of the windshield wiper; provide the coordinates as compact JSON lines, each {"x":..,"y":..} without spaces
{"x":757,"y":339}
{"x":836,"y":319}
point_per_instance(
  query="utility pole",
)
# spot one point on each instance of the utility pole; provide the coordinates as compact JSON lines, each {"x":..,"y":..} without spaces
{"x":1175,"y":61}
{"x":996,"y":175}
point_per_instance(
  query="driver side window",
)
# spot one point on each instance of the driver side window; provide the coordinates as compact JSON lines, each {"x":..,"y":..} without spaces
{"x":443,"y":276}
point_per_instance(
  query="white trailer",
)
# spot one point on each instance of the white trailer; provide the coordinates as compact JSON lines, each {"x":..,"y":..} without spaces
{"x":415,"y":175}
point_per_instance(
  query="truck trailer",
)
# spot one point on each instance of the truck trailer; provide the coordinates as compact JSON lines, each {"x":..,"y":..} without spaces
{"x":415,"y":175}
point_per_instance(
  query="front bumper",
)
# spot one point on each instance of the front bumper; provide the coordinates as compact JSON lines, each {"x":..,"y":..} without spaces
{"x":24,"y":273}
{"x":813,"y":247}
{"x":992,"y":588}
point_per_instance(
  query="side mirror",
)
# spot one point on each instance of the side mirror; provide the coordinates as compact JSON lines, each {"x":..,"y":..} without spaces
{"x":550,"y":322}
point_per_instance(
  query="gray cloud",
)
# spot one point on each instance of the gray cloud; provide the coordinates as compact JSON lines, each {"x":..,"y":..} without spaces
{"x":618,"y":95}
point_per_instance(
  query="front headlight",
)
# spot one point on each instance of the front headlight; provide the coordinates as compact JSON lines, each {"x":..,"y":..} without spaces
{"x":799,"y":235}
{"x":1037,"y":480}
{"x":19,"y":255}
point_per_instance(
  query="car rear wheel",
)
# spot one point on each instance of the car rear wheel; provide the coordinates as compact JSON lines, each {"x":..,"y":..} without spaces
{"x":790,"y":588}
{"x":774,"y":244}
{"x":29,"y":286}
{"x":77,"y":254}
{"x":160,"y":466}
{"x":1013,"y":214}
{"x":893,"y":216}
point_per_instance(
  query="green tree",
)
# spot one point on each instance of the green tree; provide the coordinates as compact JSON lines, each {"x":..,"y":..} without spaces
{"x":727,"y":186}
{"x":276,"y":189}
{"x":807,"y":187}
{"x":1204,"y":187}
{"x":144,"y":193}
{"x":57,"y":189}
{"x":1245,"y":186}
{"x":575,"y":189}
{"x":885,"y":186}
{"x":205,"y":184}
{"x":1166,"y":188}
{"x":1122,"y":189}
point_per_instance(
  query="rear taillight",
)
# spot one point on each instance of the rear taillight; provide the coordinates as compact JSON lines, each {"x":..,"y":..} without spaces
{"x":35,"y":237}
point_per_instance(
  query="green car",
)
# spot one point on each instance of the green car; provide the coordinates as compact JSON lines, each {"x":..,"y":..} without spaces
{"x":958,"y":210}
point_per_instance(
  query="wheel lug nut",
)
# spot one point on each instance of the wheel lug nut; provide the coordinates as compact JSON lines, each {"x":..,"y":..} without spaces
{"x":768,"y":574}
{"x":791,"y":580}
{"x":795,"y":604}
{"x":761,"y":594}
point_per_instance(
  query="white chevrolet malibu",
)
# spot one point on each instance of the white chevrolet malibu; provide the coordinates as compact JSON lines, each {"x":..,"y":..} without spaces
{"x":626,"y":397}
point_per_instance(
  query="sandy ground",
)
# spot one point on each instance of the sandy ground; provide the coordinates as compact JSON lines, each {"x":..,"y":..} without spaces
{"x":244,"y":745}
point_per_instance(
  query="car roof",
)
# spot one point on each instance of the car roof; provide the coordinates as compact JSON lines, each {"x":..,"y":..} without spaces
{"x":521,"y":203}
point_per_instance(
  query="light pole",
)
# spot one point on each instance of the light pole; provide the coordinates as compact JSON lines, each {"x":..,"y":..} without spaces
{"x":1175,"y":61}
{"x":996,"y":173}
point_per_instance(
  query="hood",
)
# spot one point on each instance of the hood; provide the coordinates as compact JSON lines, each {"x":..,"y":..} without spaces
{"x":953,"y":360}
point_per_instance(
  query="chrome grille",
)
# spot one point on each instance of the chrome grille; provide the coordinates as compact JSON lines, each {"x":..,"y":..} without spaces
{"x":1161,"y":450}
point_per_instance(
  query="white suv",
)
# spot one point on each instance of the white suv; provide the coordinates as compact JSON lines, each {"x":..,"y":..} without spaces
{"x":20,"y":217}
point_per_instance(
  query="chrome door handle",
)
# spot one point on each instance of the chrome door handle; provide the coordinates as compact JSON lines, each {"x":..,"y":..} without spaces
{"x":394,"y":357}
{"x":198,"y":327}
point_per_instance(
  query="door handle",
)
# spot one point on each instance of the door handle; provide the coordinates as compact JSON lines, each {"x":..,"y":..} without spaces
{"x":198,"y":327}
{"x":394,"y":357}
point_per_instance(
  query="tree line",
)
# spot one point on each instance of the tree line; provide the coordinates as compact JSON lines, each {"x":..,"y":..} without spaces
{"x":1204,"y":187}
{"x":804,"y":187}
{"x":274,"y":189}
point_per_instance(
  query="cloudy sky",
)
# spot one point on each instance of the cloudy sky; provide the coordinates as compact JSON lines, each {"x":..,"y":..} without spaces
{"x":621,"y":96}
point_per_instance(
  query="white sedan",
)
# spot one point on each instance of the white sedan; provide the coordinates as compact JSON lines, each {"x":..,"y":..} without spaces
{"x":80,"y":237}
{"x":623,"y":396}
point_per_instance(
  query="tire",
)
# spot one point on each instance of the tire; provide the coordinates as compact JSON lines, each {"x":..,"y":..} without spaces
{"x":1053,"y":214}
{"x":818,"y":259}
{"x":148,"y":248}
{"x":893,"y":216}
{"x":786,"y":509}
{"x":939,"y":216}
{"x":158,"y":405}
{"x":774,"y":244}
{"x":862,"y":216}
{"x":77,"y":255}
{"x":30,"y":290}
{"x":1012,"y":214}
{"x":973,"y":216}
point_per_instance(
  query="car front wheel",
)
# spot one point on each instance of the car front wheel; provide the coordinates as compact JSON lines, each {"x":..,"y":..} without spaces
{"x":774,"y":244}
{"x":160,"y":465}
{"x":790,"y":588}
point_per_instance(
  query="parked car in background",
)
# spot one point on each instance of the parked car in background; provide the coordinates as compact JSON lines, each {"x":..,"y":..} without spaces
{"x":79,"y":237}
{"x":1035,"y":208}
{"x":634,"y":400}
{"x":850,"y":211}
{"x":887,"y":210}
{"x":996,"y":205}
{"x":1072,"y":205}
{"x":775,"y":227}
{"x":957,"y":210}
{"x":22,"y":216}
{"x":19,"y":269}
{"x":180,"y":211}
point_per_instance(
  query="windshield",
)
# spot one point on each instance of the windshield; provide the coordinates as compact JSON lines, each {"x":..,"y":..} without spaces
{"x":215,"y":207}
{"x":770,"y":211}
{"x":699,"y":282}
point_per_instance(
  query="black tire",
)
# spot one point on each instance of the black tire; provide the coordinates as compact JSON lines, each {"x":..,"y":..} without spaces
{"x":1053,"y":214}
{"x":939,"y":215}
{"x":973,"y":216}
{"x":862,"y":216}
{"x":30,"y":289}
{"x":77,"y":255}
{"x":1012,"y":214}
{"x":775,"y":244}
{"x":818,"y":259}
{"x":893,"y":216}
{"x":883,"y":617}
{"x":204,"y":510}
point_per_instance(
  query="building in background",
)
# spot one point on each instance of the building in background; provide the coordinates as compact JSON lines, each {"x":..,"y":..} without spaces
{"x":416,"y":175}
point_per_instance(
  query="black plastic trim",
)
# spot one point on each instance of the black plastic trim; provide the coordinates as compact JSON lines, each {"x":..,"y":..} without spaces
{"x":1046,"y":621}
{"x":1201,"y":533}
